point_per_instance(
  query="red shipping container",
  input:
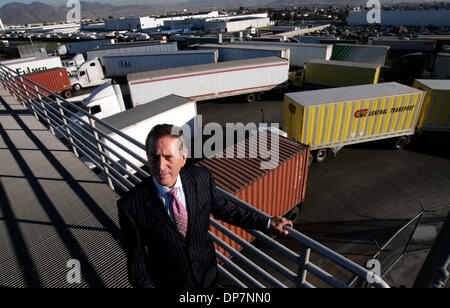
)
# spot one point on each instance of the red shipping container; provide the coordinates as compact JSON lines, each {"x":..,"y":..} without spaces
{"x":274,"y":191}
{"x":54,"y":79}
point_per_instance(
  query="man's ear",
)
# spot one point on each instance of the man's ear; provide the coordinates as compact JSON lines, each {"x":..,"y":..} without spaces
{"x":185,"y":155}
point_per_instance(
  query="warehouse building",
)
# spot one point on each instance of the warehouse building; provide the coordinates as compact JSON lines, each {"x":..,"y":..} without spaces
{"x":130,"y":23}
{"x":417,"y":18}
{"x":237,"y":24}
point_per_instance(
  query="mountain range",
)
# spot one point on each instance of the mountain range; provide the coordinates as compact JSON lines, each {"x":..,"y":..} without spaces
{"x":37,"y":12}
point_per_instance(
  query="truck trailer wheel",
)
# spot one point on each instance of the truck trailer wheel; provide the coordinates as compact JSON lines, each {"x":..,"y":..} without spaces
{"x":251,"y":98}
{"x":321,"y":155}
{"x":402,"y":142}
{"x":67,"y":94}
{"x":260,"y":96}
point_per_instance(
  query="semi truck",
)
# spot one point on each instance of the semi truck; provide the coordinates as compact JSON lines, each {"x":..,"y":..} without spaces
{"x":330,"y":119}
{"x":73,"y":64}
{"x":209,"y":81}
{"x":279,"y":191}
{"x":55,"y":79}
{"x":97,"y":71}
{"x":435,"y":113}
{"x":360,"y":53}
{"x":135,"y":49}
{"x":137,"y":123}
{"x":133,"y":44}
{"x":299,"y":53}
{"x":81,"y":47}
{"x":396,"y":44}
{"x":30,"y":65}
{"x":238,"y":52}
{"x":329,"y":73}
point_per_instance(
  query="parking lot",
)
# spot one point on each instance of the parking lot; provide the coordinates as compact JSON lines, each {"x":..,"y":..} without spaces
{"x":358,"y":199}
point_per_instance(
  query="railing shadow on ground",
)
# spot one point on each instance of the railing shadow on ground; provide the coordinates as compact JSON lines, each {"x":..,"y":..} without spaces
{"x":58,"y":117}
{"x":71,"y":244}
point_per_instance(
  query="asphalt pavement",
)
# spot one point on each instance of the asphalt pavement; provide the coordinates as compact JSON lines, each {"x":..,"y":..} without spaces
{"x":358,"y":199}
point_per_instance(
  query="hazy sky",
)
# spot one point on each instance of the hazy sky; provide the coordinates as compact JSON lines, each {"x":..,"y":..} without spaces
{"x":62,"y":2}
{"x":119,"y":2}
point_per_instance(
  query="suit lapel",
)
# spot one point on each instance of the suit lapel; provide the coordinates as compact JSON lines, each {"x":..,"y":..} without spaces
{"x":190,"y":189}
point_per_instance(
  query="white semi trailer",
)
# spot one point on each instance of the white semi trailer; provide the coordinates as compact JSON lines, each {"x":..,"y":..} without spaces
{"x":30,"y":65}
{"x":97,"y":71}
{"x":299,"y":53}
{"x":210,"y":81}
{"x":242,"y":52}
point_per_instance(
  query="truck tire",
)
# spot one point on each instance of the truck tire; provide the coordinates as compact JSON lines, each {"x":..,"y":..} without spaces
{"x":67,"y":94}
{"x":260,"y":96}
{"x":251,"y":98}
{"x":402,"y":142}
{"x":76,"y":87}
{"x":321,"y":155}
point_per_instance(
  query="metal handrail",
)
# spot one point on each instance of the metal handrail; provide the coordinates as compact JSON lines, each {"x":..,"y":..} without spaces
{"x":308,"y":244}
{"x":85,"y":138}
{"x":81,"y":110}
{"x":61,"y":119}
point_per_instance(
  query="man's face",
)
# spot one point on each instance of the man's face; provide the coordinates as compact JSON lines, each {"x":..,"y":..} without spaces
{"x":165,"y":159}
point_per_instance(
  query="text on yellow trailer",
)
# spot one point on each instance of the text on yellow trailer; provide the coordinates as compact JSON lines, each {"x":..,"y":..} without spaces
{"x":435,"y":113}
{"x":333,"y":118}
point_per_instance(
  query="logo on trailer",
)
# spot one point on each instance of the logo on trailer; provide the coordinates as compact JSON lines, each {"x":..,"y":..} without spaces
{"x":361,"y":113}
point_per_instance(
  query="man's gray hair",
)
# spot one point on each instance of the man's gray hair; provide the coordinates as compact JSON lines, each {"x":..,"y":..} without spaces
{"x":164,"y":130}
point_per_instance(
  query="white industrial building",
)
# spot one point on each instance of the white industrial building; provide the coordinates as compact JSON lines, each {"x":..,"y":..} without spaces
{"x":203,"y":21}
{"x":142,"y":23}
{"x":225,"y":23}
{"x":236,"y":24}
{"x":57,"y":28}
{"x":417,"y":18}
{"x":162,"y":21}
{"x":130,"y":23}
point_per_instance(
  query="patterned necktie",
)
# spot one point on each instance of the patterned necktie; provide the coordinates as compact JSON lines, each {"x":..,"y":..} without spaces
{"x":179,"y":212}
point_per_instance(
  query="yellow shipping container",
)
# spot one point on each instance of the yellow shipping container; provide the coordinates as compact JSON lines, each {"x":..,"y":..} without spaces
{"x":341,"y":74}
{"x":333,"y":118}
{"x":435,"y":113}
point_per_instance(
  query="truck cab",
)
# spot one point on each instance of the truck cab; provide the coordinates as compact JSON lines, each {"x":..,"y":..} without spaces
{"x":72,"y":65}
{"x":90,"y":74}
{"x":105,"y":101}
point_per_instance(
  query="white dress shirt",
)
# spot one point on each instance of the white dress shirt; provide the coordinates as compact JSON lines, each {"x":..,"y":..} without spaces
{"x":167,"y":199}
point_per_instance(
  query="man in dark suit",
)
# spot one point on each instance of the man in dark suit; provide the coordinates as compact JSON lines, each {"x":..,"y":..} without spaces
{"x":165,"y":219}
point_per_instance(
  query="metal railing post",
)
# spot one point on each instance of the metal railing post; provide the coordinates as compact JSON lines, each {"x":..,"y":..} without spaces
{"x":66,"y":125}
{"x":13,"y":93}
{"x":45,"y":110}
{"x":30,"y":102}
{"x":302,"y":270}
{"x":100,"y":150}
{"x":80,"y":133}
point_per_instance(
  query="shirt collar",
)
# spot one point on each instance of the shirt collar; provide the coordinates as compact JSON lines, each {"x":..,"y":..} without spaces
{"x":162,"y":190}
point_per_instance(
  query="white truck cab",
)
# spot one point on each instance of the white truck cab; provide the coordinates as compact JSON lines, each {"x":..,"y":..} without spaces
{"x":72,"y":65}
{"x":90,"y":74}
{"x":105,"y":101}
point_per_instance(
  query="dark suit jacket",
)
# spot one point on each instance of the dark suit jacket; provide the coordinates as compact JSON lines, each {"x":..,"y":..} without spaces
{"x":157,"y":254}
